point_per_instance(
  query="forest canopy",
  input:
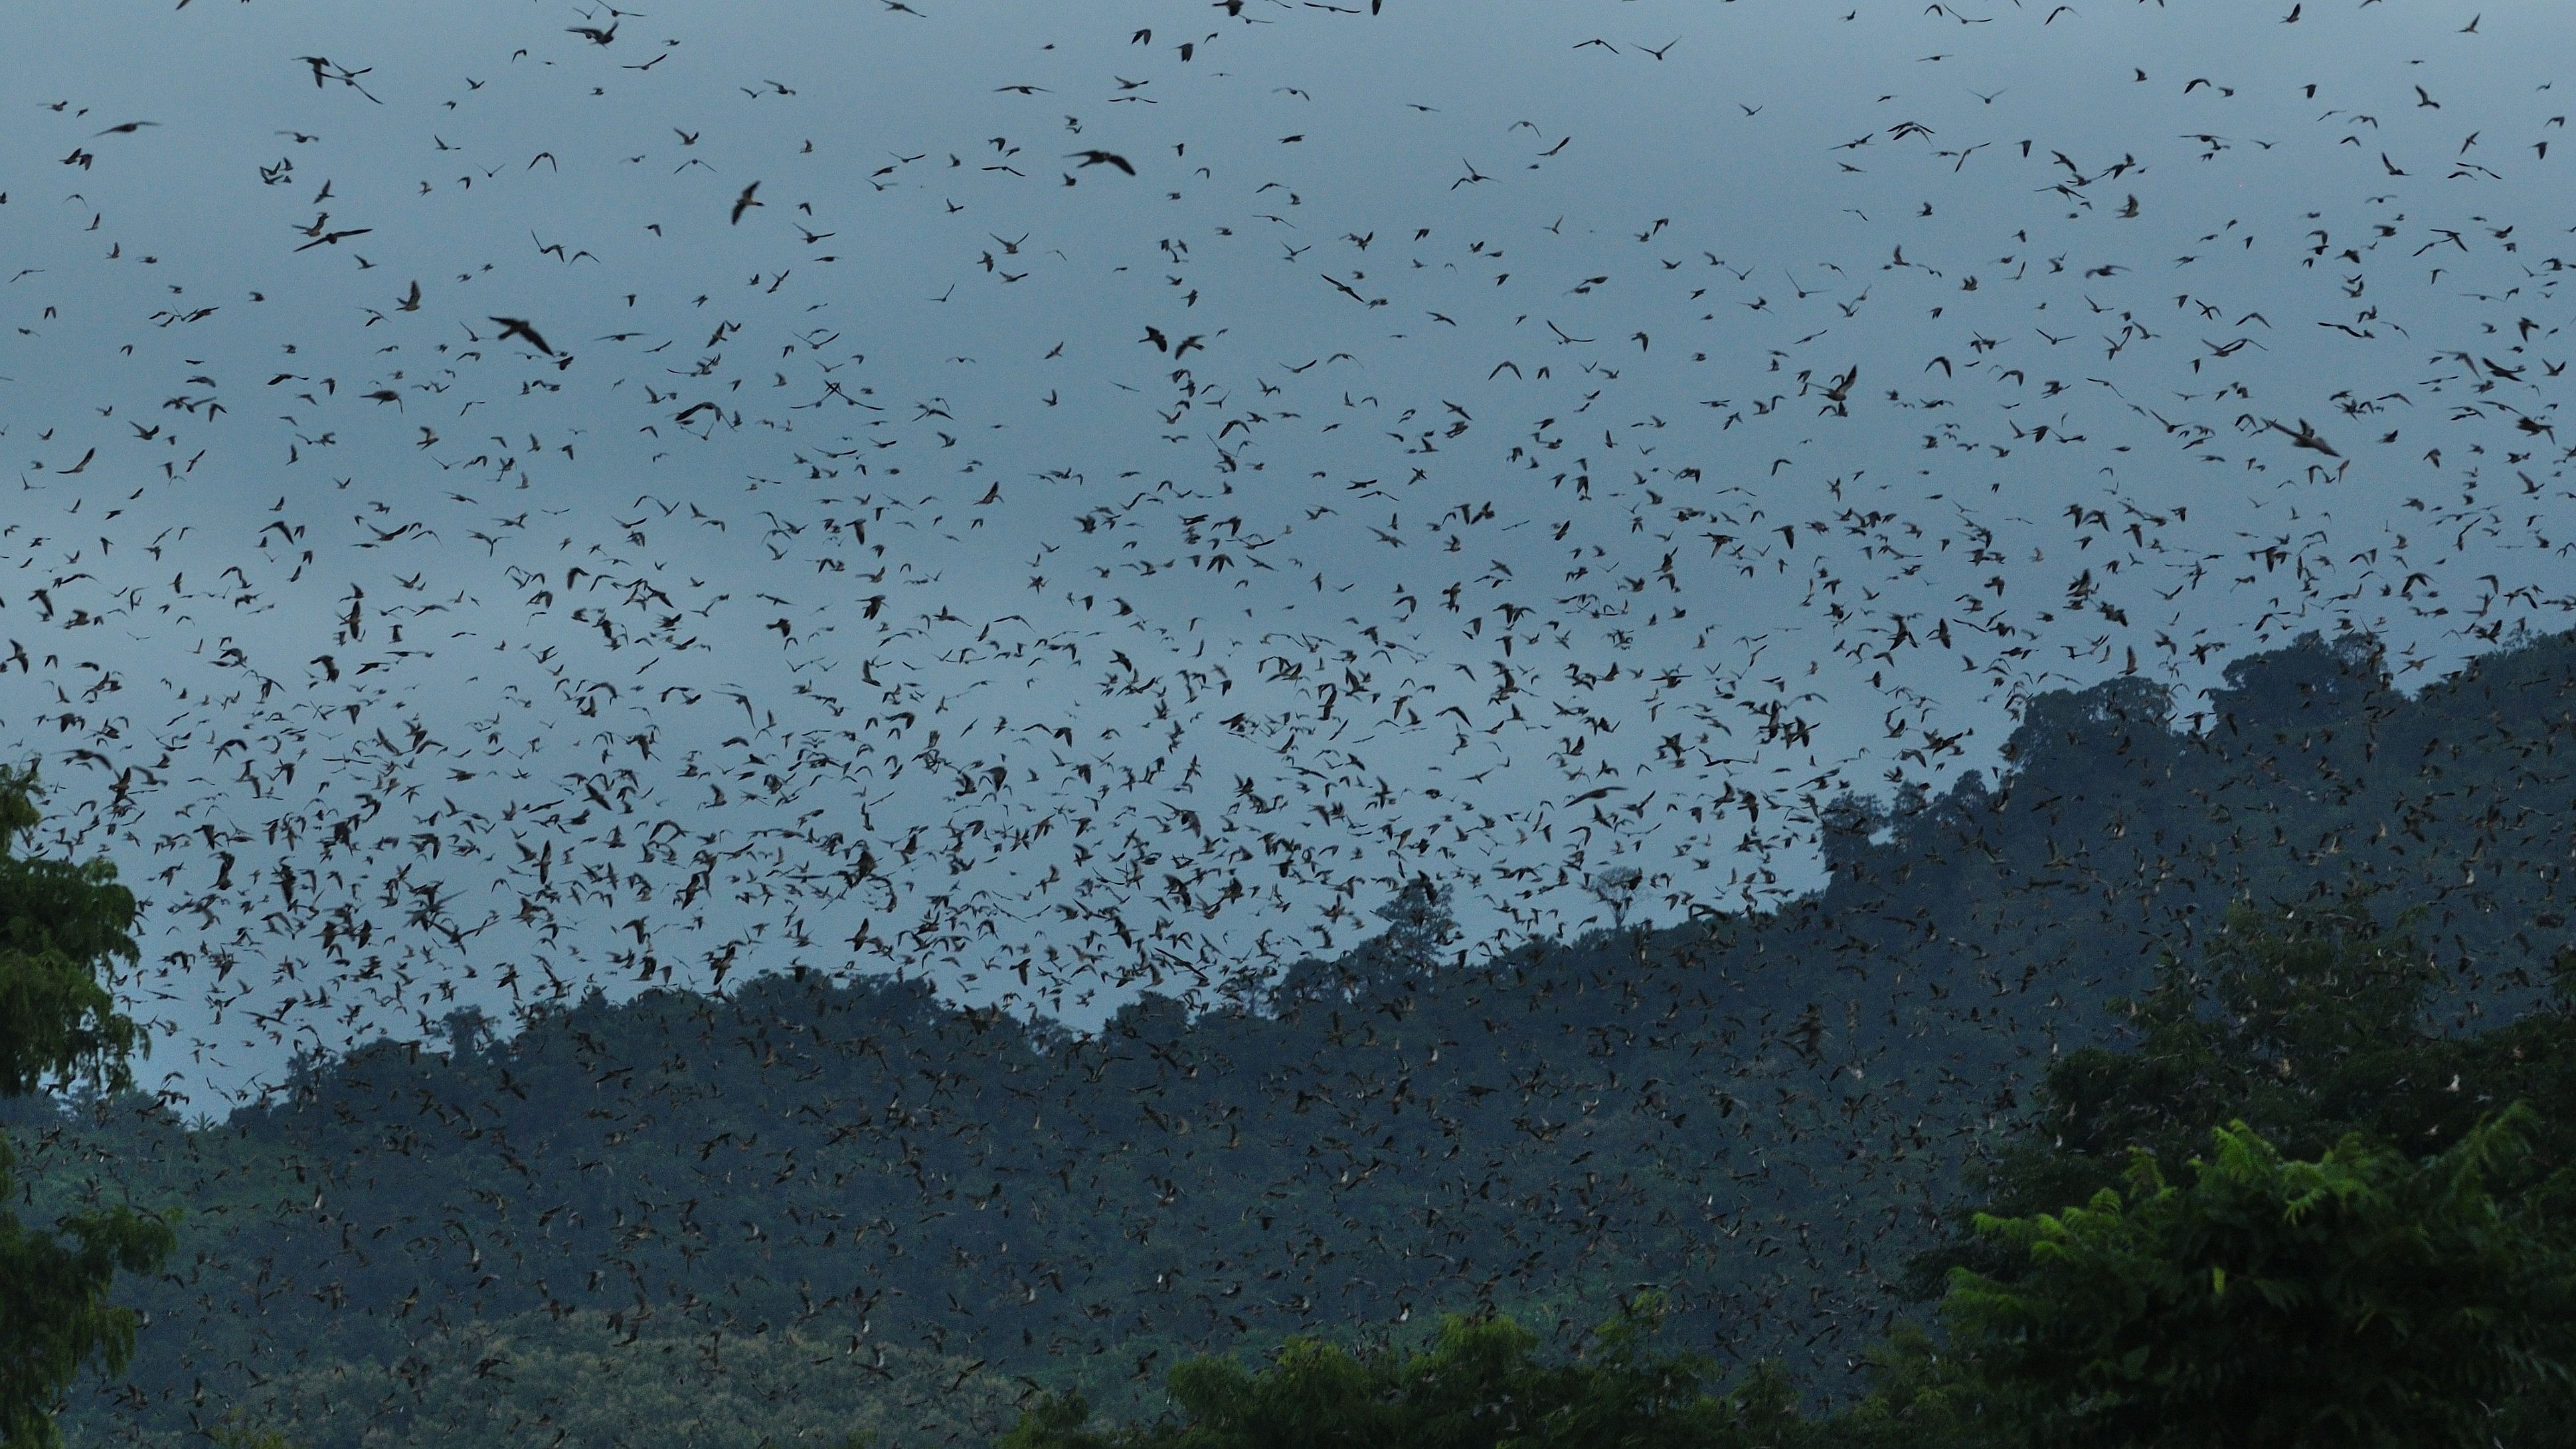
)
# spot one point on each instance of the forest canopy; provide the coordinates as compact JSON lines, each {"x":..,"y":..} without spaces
{"x":846,"y":1202}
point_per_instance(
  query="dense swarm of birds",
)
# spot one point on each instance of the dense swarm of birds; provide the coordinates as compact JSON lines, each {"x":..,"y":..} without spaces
{"x":1083,"y":508}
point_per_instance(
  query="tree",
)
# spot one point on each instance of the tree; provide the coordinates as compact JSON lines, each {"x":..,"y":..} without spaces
{"x":2359,"y":1299}
{"x":1418,"y":926}
{"x":2309,"y":684}
{"x":2305,"y":1023}
{"x":1616,"y":890}
{"x":62,"y":927}
{"x":467,"y":1030}
{"x":1479,"y":1385}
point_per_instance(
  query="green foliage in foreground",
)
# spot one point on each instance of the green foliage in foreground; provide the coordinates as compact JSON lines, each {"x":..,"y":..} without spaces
{"x":1479,"y":1383}
{"x":2360,"y":1299}
{"x":2309,"y":1025}
{"x":61,"y":927}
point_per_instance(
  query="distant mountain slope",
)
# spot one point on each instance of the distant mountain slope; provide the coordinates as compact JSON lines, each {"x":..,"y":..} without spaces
{"x":1762,"y":1114}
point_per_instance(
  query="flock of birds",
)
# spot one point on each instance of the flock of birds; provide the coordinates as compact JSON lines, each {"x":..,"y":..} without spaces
{"x":1097,"y":500}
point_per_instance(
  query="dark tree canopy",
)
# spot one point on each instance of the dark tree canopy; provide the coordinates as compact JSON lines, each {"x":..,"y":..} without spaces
{"x":2379,"y":1259}
{"x":62,"y":928}
{"x":1479,"y":1384}
{"x":2360,"y":1299}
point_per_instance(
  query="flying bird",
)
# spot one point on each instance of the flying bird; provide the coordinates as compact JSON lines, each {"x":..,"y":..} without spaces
{"x":518,"y":327}
{"x":2303,"y":436}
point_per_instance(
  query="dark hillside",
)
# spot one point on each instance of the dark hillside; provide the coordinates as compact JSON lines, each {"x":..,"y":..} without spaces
{"x":1764,"y":1116}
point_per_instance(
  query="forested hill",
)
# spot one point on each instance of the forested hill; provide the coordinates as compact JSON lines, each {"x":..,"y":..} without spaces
{"x":810,"y":1206}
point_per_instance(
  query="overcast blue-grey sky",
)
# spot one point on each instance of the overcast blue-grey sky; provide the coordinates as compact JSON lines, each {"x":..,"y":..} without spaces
{"x":1442,"y":454}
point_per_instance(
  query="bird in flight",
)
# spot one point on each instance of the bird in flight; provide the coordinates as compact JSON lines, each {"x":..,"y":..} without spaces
{"x":333,"y":238}
{"x":518,"y":327}
{"x":2303,"y":436}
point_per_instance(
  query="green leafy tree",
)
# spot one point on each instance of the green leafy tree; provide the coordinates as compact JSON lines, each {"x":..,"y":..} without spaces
{"x":62,"y":926}
{"x":2359,"y":1299}
{"x":1479,"y":1385}
{"x":2307,"y":1024}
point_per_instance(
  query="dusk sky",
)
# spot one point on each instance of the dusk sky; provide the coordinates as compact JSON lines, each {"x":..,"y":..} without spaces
{"x":1064,"y":500}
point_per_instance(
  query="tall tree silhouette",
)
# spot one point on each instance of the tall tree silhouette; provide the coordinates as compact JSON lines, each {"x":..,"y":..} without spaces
{"x":62,"y":926}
